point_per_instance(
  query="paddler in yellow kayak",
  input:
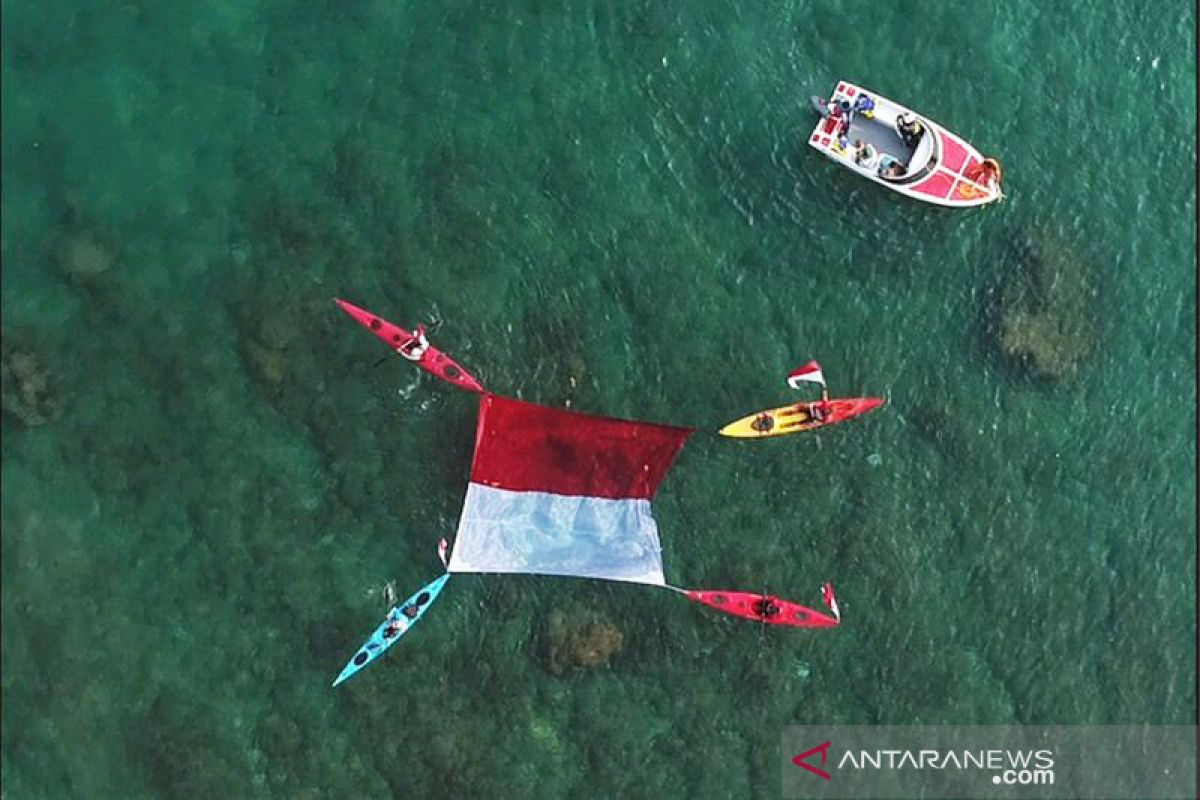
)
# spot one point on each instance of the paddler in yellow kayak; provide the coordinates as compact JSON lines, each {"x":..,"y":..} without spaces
{"x":811,"y":373}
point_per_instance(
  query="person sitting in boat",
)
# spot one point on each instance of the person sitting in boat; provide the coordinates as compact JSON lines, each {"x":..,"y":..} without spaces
{"x":765,"y":607}
{"x":819,"y":410}
{"x":986,"y":173}
{"x":414,"y":608}
{"x":865,"y":105}
{"x":890,"y":167}
{"x":909,"y":129}
{"x":414,"y":349}
{"x":865,"y":154}
{"x":762,"y":423}
{"x":395,"y":625}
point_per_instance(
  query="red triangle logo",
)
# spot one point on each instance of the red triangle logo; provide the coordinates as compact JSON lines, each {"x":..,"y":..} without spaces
{"x":800,"y":761}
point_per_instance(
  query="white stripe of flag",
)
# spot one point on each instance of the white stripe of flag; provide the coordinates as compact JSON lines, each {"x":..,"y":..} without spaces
{"x":810,"y":372}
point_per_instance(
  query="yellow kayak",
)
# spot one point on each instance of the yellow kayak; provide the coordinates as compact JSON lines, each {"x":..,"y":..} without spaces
{"x":799,"y":417}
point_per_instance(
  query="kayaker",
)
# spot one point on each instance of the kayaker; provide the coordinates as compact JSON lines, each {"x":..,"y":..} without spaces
{"x":763,"y":423}
{"x":765,"y":607}
{"x":395,"y":625}
{"x":818,"y":411}
{"x":414,"y":608}
{"x":414,"y":349}
{"x":910,"y":129}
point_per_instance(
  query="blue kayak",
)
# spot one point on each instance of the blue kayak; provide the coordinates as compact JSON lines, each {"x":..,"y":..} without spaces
{"x":399,"y":620}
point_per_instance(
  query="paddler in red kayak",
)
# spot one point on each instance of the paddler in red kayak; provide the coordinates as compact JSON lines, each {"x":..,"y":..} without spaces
{"x":765,"y":607}
{"x":414,"y":349}
{"x":398,"y":623}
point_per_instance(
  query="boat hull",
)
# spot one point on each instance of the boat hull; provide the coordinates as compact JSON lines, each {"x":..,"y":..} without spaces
{"x":433,"y":361}
{"x":742,"y":604}
{"x":947,"y":161}
{"x":795,"y":418}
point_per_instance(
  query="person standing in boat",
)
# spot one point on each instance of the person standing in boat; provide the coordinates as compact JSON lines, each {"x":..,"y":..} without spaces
{"x":414,"y":349}
{"x":910,"y":129}
{"x":844,"y":111}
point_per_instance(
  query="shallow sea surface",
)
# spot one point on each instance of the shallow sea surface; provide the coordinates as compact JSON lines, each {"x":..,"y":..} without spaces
{"x":207,"y":475}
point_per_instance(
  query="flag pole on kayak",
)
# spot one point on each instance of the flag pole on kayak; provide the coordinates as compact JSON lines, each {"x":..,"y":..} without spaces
{"x":797,"y":417}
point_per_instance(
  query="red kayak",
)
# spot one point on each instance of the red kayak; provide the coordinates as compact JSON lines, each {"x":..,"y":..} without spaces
{"x":768,"y":608}
{"x":406,"y":344}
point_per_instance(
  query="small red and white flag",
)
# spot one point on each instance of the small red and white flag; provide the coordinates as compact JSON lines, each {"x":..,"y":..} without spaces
{"x":443,"y":548}
{"x":831,"y":600}
{"x":810,"y":372}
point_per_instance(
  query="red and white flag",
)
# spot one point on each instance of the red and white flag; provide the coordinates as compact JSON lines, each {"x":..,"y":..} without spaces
{"x":831,"y":600}
{"x":443,"y":549}
{"x":810,"y":372}
{"x":558,"y":493}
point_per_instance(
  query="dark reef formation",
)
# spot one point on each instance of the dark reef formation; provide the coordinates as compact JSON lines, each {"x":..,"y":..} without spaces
{"x":85,"y":255}
{"x":1045,"y":301}
{"x":579,"y":641}
{"x":26,"y":387}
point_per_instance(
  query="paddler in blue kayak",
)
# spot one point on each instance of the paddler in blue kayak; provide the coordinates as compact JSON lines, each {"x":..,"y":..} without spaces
{"x":396,"y":625}
{"x":402,"y":620}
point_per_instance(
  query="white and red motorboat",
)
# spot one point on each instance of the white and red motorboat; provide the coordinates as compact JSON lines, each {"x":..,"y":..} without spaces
{"x":902,"y":150}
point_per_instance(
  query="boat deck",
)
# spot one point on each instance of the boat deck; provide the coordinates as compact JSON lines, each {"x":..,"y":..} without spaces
{"x":882,"y":136}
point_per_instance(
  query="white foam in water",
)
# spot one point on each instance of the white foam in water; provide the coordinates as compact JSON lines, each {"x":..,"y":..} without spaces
{"x":406,"y":391}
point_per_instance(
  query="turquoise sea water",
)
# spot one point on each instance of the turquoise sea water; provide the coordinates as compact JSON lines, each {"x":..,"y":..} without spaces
{"x":610,"y":204}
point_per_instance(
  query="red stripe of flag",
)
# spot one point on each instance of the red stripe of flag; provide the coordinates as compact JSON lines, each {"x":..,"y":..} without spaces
{"x":525,"y":447}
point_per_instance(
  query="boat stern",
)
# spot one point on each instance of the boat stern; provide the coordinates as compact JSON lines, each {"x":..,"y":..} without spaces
{"x":824,"y":135}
